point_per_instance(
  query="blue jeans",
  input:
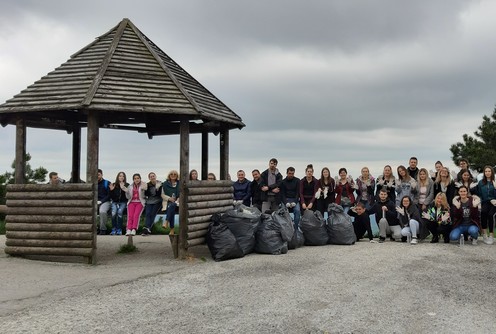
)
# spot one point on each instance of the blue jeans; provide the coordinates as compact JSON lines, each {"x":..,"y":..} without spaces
{"x":103,"y":210}
{"x":296,"y":211}
{"x":472,"y":230}
{"x":117,"y":212}
{"x":151,"y":211}
{"x":170,"y":213}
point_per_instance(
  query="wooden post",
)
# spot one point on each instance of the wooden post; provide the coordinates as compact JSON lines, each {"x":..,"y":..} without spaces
{"x":92,"y":167}
{"x":183,"y":205}
{"x":204,"y":155}
{"x":76,"y":154}
{"x":20,"y":160}
{"x":224,"y":154}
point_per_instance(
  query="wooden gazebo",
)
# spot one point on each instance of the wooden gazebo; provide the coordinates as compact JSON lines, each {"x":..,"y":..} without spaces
{"x":120,"y":81}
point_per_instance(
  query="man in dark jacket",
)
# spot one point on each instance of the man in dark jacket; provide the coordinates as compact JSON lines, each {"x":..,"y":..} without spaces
{"x":290,"y":190}
{"x":257,"y":195}
{"x":103,"y":202}
{"x":386,"y":216}
{"x":271,"y":181}
{"x":241,"y":189}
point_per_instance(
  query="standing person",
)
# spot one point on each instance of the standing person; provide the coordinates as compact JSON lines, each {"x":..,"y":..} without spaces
{"x":153,"y":202}
{"x":290,"y":194}
{"x":118,"y":199}
{"x":211,"y":177}
{"x":463,"y":164}
{"x":257,"y":195}
{"x":271,"y":180}
{"x":325,"y":194}
{"x":361,"y":223}
{"x":386,"y":216}
{"x":486,"y":191}
{"x":409,"y":217}
{"x":103,"y":201}
{"x":438,"y":219}
{"x":437,"y":168}
{"x":170,"y":197}
{"x":365,"y":188}
{"x":193,"y":175}
{"x":308,"y":188}
{"x":241,"y":189}
{"x":425,"y":190}
{"x":466,"y":180}
{"x":444,"y":184}
{"x":53,"y":179}
{"x":405,"y":185}
{"x":412,"y":167}
{"x":136,"y":202}
{"x":388,"y":182}
{"x":466,"y":218}
{"x":344,"y":190}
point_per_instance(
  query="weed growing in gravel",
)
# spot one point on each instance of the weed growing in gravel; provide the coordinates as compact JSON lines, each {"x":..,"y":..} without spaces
{"x":127,"y":249}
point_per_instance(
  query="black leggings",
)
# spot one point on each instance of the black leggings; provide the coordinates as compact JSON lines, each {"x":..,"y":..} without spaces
{"x":487,"y":216}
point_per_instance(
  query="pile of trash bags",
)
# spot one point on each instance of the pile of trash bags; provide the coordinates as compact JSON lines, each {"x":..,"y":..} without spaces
{"x":244,"y":230}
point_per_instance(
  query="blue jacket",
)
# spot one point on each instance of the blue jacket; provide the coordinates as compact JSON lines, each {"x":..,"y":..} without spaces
{"x":242,"y":191}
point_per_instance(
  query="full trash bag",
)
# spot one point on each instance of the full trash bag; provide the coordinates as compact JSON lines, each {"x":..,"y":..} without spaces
{"x":339,"y":226}
{"x":221,"y":242}
{"x":297,"y":241}
{"x":313,"y":227}
{"x":243,"y":222}
{"x":273,"y":233}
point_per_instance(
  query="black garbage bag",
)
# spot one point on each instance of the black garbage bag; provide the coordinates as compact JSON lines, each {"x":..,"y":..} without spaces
{"x":285,"y":221}
{"x":297,"y":241}
{"x":313,"y":227}
{"x":339,"y":226}
{"x":221,"y":242}
{"x":243,"y":222}
{"x":268,"y":237}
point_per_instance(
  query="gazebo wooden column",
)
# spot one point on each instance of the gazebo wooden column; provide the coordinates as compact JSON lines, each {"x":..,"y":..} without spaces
{"x":20,"y":159}
{"x":92,"y":165}
{"x":204,"y":155}
{"x":76,"y":154}
{"x":224,"y":154}
{"x":183,"y":197}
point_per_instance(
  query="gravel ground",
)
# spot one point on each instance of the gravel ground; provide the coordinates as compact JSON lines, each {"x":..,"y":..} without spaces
{"x":365,"y":288}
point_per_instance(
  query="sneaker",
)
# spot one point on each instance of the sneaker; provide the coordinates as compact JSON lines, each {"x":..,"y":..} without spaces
{"x":381,"y":240}
{"x":414,"y":241}
{"x":392,"y":239}
{"x":484,"y":239}
{"x":114,"y":231}
{"x":128,"y":232}
{"x":489,"y":241}
{"x":146,"y":231}
{"x":474,"y":242}
{"x":103,"y":232}
{"x":373,"y":241}
{"x":118,"y":232}
{"x":133,"y":232}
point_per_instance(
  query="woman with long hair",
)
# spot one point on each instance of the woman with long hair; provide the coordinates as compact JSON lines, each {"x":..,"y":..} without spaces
{"x":365,"y":188}
{"x":487,"y":192}
{"x":405,"y":185}
{"x":325,"y":194}
{"x":119,"y":202}
{"x":445,"y":184}
{"x":136,"y":202}
{"x":308,"y":189}
{"x":345,"y":186}
{"x":409,"y":217}
{"x":170,"y":199}
{"x":437,"y":218}
{"x":425,"y":190}
{"x":467,"y":180}
{"x":466,"y":218}
{"x":388,"y":182}
{"x":193,"y":175}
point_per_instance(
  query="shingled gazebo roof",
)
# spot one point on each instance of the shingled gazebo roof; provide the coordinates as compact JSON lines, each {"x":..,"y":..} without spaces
{"x":131,"y":82}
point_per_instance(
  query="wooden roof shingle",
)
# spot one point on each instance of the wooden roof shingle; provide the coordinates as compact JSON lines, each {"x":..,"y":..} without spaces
{"x":129,"y":80}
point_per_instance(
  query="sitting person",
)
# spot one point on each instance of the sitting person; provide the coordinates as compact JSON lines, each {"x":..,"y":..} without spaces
{"x":241,"y":189}
{"x":361,"y":224}
{"x":437,"y":218}
{"x":386,"y":215}
{"x":170,"y":197}
{"x":409,"y":217}
{"x":466,"y":218}
{"x":103,"y":202}
{"x":290,"y":193}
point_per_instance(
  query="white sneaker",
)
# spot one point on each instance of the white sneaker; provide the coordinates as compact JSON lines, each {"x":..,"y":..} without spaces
{"x":414,"y":241}
{"x":373,"y":241}
{"x":128,"y":232}
{"x":489,"y":241}
{"x":474,"y":242}
{"x":133,"y":232}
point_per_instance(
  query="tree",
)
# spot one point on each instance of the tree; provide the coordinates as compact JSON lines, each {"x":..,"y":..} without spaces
{"x":37,"y":175}
{"x":481,"y":149}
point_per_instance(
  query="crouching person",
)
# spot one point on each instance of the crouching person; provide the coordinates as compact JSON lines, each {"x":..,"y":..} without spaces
{"x":409,"y":217}
{"x":466,"y":218}
{"x":438,"y":220}
{"x":386,"y":216}
{"x":361,"y":224}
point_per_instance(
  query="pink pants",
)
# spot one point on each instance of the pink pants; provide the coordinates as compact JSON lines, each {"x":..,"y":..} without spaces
{"x":134,"y":210}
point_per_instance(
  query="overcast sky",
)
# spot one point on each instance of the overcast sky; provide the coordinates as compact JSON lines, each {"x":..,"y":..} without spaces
{"x":332,"y":83}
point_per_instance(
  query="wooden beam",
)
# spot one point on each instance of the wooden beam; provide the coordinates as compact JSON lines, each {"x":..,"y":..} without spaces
{"x":92,"y":167}
{"x":204,"y":155}
{"x":183,"y":171}
{"x":76,"y":155}
{"x":224,"y":154}
{"x":20,"y":152}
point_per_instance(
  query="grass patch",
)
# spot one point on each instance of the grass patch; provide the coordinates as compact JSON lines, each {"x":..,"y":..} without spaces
{"x":124,"y":249}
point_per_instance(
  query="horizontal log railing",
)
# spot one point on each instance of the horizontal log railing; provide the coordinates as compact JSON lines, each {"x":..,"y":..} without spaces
{"x":44,"y":219}
{"x":205,"y":198}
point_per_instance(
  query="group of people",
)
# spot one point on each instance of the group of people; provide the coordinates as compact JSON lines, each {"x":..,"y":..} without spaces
{"x":409,"y":207}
